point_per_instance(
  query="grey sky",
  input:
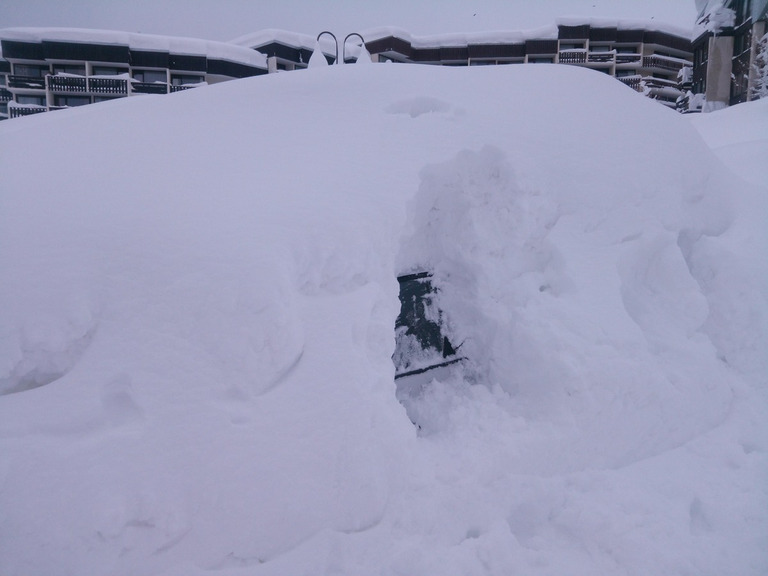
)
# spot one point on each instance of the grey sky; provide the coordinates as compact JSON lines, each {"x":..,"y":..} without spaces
{"x":227,"y":19}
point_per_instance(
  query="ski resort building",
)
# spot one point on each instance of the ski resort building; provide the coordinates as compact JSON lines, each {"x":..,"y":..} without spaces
{"x":730,"y":49}
{"x":49,"y":69}
{"x":646,"y":58}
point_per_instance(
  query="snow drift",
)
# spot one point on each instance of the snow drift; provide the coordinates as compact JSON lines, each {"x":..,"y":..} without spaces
{"x":197,"y":317}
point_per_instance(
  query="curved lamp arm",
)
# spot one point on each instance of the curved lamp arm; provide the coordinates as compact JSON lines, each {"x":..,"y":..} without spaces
{"x":344,"y":49}
{"x":335,"y":41}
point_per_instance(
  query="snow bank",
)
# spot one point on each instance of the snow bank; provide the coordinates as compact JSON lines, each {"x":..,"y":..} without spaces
{"x":196,"y":332}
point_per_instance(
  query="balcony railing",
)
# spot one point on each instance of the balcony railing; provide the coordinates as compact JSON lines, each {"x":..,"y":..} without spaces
{"x":81,"y":84}
{"x":600,"y":57}
{"x":652,"y":82}
{"x":19,"y":111}
{"x":182,"y":87}
{"x":149,"y":88}
{"x":572,"y":57}
{"x":34,"y":82}
{"x":5,"y":96}
{"x":67,"y":83}
{"x":665,"y":63}
{"x":633,"y":82}
{"x":628,"y":58}
{"x":108,"y":86}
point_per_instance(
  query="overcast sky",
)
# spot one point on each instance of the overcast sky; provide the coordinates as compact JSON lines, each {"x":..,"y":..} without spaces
{"x":227,"y":19}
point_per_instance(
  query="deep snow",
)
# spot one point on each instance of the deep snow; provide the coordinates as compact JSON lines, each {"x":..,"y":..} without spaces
{"x":197,"y":312}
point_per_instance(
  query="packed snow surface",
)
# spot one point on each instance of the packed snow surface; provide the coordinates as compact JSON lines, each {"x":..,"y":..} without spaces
{"x":197,"y":307}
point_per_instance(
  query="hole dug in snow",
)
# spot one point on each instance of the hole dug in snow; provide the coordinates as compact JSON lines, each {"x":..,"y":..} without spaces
{"x":43,"y":355}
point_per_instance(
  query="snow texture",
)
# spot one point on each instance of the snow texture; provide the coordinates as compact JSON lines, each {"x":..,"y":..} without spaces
{"x":197,"y":312}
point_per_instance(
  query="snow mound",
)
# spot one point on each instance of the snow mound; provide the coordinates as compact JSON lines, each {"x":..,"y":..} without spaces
{"x":197,"y":313}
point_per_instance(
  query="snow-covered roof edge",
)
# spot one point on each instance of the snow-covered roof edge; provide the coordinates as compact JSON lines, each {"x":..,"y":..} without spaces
{"x":139,"y":41}
{"x":627,"y":24}
{"x":516,"y":36}
{"x":254,"y":40}
{"x":461,"y":38}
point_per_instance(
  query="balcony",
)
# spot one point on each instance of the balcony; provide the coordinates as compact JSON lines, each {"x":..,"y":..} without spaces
{"x":182,"y":87}
{"x":659,"y":83}
{"x":19,"y":111}
{"x":59,"y":83}
{"x":628,"y":58}
{"x":601,"y":57}
{"x":572,"y":57}
{"x":149,"y":88}
{"x":30,"y":82}
{"x":116,"y":86}
{"x":665,"y":63}
{"x":633,"y":82}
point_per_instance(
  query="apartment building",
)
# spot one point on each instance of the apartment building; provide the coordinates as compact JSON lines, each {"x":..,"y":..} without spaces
{"x":647,"y":59}
{"x":725,"y":48}
{"x":49,"y":69}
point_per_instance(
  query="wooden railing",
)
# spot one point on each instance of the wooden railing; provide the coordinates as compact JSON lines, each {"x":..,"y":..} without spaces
{"x":18,"y":112}
{"x":664,"y":63}
{"x":108,"y":86}
{"x":67,"y":83}
{"x":182,"y":87}
{"x":633,"y":82}
{"x":572,"y":57}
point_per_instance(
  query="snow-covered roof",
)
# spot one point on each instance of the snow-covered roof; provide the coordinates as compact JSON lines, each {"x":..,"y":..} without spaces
{"x":626,"y":24}
{"x":461,"y":39}
{"x":714,"y":15}
{"x":298,"y":40}
{"x":519,"y":36}
{"x":138,"y":41}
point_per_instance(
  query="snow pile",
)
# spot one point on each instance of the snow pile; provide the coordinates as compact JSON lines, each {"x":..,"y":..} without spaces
{"x":196,"y":332}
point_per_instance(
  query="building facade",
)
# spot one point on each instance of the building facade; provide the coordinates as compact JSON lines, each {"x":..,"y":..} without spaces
{"x":50,"y":69}
{"x":646,"y":59}
{"x":725,"y":48}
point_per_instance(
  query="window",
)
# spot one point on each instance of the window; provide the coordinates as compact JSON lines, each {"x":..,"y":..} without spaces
{"x":30,"y":70}
{"x":150,"y":76}
{"x":4,"y":108}
{"x":76,"y":69}
{"x":2,"y":79}
{"x":540,"y":59}
{"x":624,"y":73}
{"x":627,"y":50}
{"x":71,"y":101}
{"x":27,"y":99}
{"x":571,"y":45}
{"x":599,"y":48}
{"x":108,"y":71}
{"x":185,"y":79}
